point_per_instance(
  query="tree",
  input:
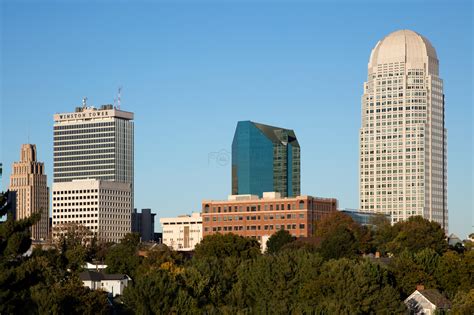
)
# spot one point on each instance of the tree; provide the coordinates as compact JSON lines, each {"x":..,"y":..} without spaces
{"x":345,"y":287}
{"x":123,"y":257}
{"x":225,"y":245}
{"x":156,"y":293}
{"x":411,"y":270}
{"x":463,"y":302}
{"x":278,"y":240}
{"x":341,"y":243}
{"x":417,"y":233}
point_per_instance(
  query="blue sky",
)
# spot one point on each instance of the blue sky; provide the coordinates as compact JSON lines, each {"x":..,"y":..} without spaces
{"x":190,"y":70}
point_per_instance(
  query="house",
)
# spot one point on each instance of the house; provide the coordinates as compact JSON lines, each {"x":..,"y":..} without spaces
{"x":427,"y":302}
{"x":114,"y":284}
{"x":94,"y":266}
{"x":453,"y":240}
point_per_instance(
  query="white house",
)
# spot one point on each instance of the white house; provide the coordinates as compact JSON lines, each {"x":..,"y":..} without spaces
{"x":114,"y":284}
{"x":426,"y":302}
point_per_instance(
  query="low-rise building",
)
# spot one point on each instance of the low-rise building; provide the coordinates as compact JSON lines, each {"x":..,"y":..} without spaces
{"x":114,"y":284}
{"x":429,"y":301}
{"x":259,"y":218}
{"x":183,"y":232}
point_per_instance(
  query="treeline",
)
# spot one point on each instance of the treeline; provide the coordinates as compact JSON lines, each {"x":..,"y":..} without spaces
{"x":334,"y":272}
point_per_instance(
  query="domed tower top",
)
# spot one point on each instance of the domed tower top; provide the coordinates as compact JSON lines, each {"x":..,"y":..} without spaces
{"x":405,"y":46}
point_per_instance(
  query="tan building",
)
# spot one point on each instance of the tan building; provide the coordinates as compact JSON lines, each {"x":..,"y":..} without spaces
{"x":402,"y":160}
{"x":103,"y":207}
{"x":182,"y":232}
{"x":259,"y":218}
{"x":28,"y":181}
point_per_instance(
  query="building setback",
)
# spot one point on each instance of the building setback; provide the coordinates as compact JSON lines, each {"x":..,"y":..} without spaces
{"x":259,"y":218}
{"x":265,"y":158}
{"x":402,"y":160}
{"x":28,"y":181}
{"x":144,"y":224}
{"x":103,"y":207}
{"x":183,"y":232}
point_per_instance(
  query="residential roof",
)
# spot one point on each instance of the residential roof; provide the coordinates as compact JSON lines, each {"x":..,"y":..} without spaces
{"x":99,"y":276}
{"x":435,"y":297}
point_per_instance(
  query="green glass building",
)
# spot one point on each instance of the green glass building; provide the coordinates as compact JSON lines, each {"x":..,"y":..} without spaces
{"x":264,"y":159}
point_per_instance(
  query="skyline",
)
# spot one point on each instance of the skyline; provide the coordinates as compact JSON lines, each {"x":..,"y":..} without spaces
{"x":190,"y":86}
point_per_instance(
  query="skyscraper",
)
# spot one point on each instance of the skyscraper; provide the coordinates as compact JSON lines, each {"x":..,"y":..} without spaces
{"x":93,"y":143}
{"x":94,"y":147}
{"x":264,"y":159}
{"x":402,"y":160}
{"x":28,"y":181}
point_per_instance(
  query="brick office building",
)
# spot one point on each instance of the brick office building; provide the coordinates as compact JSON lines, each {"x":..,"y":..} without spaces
{"x":251,"y":216}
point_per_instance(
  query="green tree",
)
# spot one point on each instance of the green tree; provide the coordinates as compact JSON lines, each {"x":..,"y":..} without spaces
{"x":273,"y":283}
{"x":345,"y":287}
{"x":278,"y":240}
{"x":417,"y":233}
{"x":156,"y":293}
{"x":411,"y":270}
{"x":463,"y":303}
{"x":226,"y":245}
{"x":123,"y":257}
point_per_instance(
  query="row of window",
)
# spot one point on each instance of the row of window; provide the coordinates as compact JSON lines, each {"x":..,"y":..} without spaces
{"x":254,"y":227}
{"x":84,"y":126}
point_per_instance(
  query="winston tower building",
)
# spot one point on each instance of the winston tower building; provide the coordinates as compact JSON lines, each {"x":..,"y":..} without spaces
{"x":93,"y":170}
{"x":402,"y":160}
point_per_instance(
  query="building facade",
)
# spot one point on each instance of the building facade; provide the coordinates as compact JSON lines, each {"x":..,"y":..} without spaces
{"x":183,"y":232}
{"x":28,"y":181}
{"x":144,"y":224}
{"x":365,"y":218}
{"x":265,"y":158}
{"x":103,"y":207}
{"x":402,"y":160}
{"x":95,"y":144}
{"x":259,"y":218}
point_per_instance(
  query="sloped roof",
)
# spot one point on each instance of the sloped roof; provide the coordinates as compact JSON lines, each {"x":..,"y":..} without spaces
{"x":435,"y":297}
{"x":99,"y":276}
{"x":274,"y":134}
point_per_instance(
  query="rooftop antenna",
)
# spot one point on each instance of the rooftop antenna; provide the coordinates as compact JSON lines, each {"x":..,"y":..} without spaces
{"x":84,"y":102}
{"x":118,"y":97}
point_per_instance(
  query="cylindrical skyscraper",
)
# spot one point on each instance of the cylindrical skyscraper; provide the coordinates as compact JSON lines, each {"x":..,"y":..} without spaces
{"x":402,"y":156}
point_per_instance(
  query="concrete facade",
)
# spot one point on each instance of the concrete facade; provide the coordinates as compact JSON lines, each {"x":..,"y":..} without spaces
{"x":183,"y":232}
{"x":28,"y":181}
{"x":259,"y":218}
{"x":103,"y":207}
{"x":403,"y":154}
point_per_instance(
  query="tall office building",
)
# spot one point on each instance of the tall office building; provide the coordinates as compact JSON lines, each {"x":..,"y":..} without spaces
{"x":98,"y":144}
{"x":402,"y":139}
{"x":28,"y":181}
{"x":265,"y":158}
{"x":93,"y":143}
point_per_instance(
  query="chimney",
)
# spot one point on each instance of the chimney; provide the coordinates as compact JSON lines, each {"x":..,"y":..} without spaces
{"x":420,"y":287}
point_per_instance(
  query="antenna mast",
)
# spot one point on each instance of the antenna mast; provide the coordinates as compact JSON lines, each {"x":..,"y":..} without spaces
{"x":118,"y":97}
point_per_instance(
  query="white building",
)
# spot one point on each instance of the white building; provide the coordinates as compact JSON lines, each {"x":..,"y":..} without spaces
{"x":182,"y":232}
{"x":402,"y":160}
{"x":114,"y":284}
{"x":101,"y":206}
